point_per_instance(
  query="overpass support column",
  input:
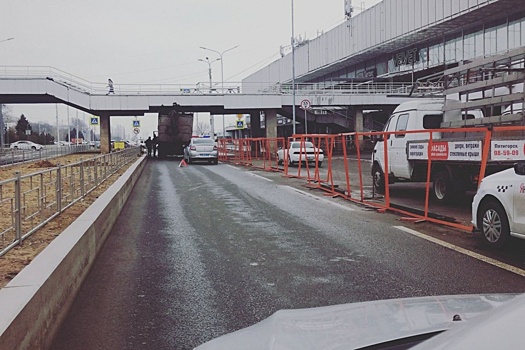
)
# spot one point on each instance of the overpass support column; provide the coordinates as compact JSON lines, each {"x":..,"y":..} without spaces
{"x":255,"y":124}
{"x":359,"y":121}
{"x":105,"y":133}
{"x":271,"y":123}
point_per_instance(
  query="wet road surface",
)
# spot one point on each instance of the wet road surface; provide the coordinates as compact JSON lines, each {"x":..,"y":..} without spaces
{"x":205,"y":250}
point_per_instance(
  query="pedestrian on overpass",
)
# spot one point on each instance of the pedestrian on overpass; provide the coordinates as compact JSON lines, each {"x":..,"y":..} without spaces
{"x":149,"y":146}
{"x":110,"y":86}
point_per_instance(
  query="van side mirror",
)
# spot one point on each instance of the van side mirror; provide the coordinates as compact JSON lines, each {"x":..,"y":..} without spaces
{"x":519,"y":168}
{"x":377,"y":138}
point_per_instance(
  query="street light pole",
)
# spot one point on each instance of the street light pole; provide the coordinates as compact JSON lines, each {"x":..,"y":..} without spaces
{"x":222,"y":76}
{"x":2,"y":124}
{"x":293,"y":74}
{"x":209,"y":72}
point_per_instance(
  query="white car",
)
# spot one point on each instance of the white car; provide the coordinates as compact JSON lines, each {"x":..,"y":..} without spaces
{"x":498,"y":208}
{"x":296,"y":153}
{"x":23,"y":144}
{"x":201,"y":149}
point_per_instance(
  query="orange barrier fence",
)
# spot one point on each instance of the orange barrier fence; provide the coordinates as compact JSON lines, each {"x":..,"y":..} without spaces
{"x":256,"y":152}
{"x":433,"y":162}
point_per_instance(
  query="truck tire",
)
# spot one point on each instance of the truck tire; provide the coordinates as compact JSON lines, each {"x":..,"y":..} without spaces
{"x":442,"y":186}
{"x":493,"y":224}
{"x":378,"y":178}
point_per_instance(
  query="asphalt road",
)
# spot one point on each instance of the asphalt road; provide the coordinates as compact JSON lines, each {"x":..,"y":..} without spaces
{"x":206,"y":250}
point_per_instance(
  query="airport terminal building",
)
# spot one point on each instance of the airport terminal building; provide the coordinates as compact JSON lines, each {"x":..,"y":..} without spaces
{"x":398,"y":41}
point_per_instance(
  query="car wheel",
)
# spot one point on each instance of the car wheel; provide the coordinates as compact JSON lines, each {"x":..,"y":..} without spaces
{"x":279,"y":161}
{"x":494,"y":224}
{"x":378,"y":179}
{"x":215,"y":162}
{"x":33,"y":148}
{"x":442,"y":187}
{"x":320,"y":164}
{"x":290,"y":163}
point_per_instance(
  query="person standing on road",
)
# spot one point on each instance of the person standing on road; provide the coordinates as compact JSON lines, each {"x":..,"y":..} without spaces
{"x":110,"y":86}
{"x":149,"y":146}
{"x":155,"y":143}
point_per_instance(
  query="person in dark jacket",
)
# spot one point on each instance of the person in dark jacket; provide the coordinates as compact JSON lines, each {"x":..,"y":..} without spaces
{"x":155,"y":143}
{"x":149,"y":146}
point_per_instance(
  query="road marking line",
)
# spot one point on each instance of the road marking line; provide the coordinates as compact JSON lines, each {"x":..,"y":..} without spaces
{"x":261,"y":177}
{"x":464,"y":251}
{"x":324,"y":200}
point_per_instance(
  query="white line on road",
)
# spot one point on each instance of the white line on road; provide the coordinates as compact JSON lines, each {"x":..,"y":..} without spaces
{"x":318,"y":198}
{"x":260,"y":177}
{"x":469,"y":253}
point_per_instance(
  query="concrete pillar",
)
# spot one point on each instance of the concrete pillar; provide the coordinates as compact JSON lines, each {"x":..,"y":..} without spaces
{"x":255,"y":124}
{"x":2,"y":128}
{"x":105,"y":133}
{"x":271,"y":123}
{"x":359,"y":122}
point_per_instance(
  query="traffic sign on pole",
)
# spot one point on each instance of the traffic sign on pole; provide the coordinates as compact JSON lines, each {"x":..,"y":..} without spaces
{"x":305,"y":104}
{"x":136,"y":123}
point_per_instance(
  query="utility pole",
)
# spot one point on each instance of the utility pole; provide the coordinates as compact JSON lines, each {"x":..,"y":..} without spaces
{"x":209,"y":73}
{"x":293,"y":74}
{"x":222,"y":76}
{"x":57,"y":131}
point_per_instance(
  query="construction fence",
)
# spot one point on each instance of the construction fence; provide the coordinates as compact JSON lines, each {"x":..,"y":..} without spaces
{"x":441,"y":168}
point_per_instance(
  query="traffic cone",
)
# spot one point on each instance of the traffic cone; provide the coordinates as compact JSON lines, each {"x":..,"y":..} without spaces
{"x":182,"y":163}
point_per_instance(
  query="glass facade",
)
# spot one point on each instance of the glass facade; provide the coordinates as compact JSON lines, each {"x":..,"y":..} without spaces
{"x":486,"y":39}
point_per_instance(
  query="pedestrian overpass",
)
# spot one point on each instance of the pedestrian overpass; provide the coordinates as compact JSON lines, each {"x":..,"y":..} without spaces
{"x":41,"y":85}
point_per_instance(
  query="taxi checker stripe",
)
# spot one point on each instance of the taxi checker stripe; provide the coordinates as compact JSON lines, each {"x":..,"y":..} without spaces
{"x":502,"y":188}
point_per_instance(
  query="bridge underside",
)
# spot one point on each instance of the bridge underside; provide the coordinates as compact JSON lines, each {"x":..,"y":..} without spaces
{"x":335,"y":112}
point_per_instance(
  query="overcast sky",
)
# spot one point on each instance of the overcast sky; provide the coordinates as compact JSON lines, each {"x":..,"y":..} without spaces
{"x":156,"y":41}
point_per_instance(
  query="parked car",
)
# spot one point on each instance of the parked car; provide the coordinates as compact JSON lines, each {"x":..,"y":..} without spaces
{"x":201,"y":149}
{"x":63,"y":143}
{"x":23,"y":144}
{"x":498,"y":208}
{"x":307,"y":153}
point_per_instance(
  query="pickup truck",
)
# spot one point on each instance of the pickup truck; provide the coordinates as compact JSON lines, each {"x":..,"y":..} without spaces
{"x":456,"y":157}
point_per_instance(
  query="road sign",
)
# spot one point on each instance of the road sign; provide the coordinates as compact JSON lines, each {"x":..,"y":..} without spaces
{"x":136,"y":131}
{"x":94,"y":120}
{"x":240,"y":124}
{"x":136,"y":123}
{"x":305,"y":104}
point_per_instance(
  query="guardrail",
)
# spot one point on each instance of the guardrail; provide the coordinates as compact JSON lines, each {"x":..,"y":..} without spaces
{"x":28,"y":202}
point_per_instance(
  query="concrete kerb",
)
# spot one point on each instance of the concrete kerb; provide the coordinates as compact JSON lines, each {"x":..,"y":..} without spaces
{"x":36,"y":301}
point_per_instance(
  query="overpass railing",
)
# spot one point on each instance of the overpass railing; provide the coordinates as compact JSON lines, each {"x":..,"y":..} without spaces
{"x":28,"y":202}
{"x":260,"y":88}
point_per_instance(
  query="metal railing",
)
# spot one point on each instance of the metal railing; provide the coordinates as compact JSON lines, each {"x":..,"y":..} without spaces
{"x":28,"y":202}
{"x":10,"y":156}
{"x":75,"y":83}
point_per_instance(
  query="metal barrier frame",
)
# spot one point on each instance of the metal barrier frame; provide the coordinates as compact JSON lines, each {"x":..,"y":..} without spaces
{"x":53,"y":190}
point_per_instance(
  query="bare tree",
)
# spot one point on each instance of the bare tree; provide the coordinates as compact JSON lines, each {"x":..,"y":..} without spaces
{"x":202,"y":128}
